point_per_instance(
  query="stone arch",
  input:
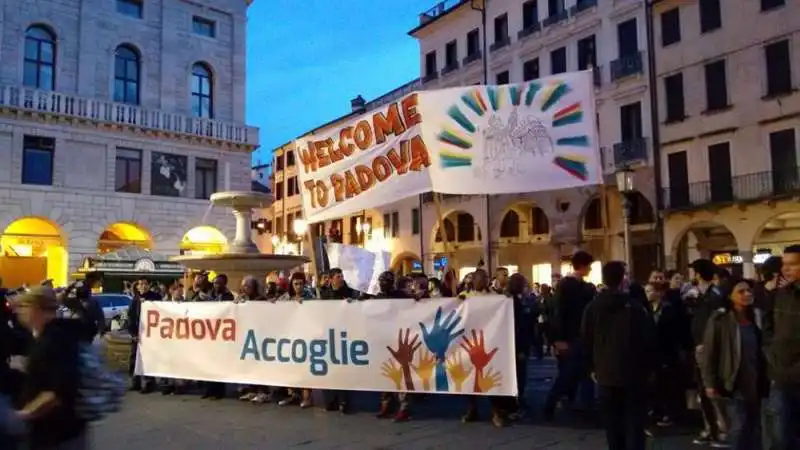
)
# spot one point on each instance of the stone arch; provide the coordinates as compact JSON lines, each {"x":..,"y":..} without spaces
{"x":704,"y":231}
{"x":591,"y":217}
{"x":524,"y":211}
{"x":642,"y":211}
{"x":770,"y":222}
{"x":403,"y":259}
{"x":122,"y":234}
{"x":203,"y":239}
{"x":34,"y":248}
{"x":452,"y":217}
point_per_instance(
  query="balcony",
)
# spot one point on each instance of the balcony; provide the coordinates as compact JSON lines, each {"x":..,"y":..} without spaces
{"x":474,"y":56}
{"x":626,"y":66}
{"x":529,"y":30}
{"x":553,"y":19}
{"x":439,"y":10}
{"x":70,"y":106}
{"x":432,"y":75}
{"x":742,"y":188}
{"x":498,"y":44}
{"x":451,"y":67}
{"x":631,"y":152}
{"x":581,"y":6}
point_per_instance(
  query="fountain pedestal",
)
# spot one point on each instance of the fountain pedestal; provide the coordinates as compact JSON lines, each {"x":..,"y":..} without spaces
{"x":242,"y":256}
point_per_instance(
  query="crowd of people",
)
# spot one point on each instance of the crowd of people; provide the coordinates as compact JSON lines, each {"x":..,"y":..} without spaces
{"x":633,"y":349}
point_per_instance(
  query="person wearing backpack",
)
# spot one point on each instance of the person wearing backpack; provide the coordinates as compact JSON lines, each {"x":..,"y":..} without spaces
{"x":50,"y":392}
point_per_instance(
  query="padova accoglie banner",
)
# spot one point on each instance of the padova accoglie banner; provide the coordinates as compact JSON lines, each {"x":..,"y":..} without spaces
{"x":535,"y":136}
{"x":397,"y":345}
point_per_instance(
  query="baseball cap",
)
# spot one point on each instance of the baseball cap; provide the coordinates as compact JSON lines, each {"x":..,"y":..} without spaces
{"x":40,"y":297}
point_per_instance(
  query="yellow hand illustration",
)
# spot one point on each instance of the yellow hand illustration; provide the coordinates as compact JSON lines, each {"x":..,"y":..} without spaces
{"x":393,"y":372}
{"x":458,"y":371}
{"x":488,"y":380}
{"x":426,"y":362}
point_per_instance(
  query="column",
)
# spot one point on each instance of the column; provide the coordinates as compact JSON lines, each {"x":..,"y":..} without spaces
{"x":670,"y":262}
{"x":555,"y":260}
{"x":748,"y":266}
{"x":243,"y":242}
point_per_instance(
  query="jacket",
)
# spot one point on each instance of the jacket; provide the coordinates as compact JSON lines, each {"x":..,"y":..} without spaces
{"x":135,"y":310}
{"x":343,"y":292}
{"x":707,"y":302}
{"x":781,"y":323}
{"x":617,"y":335}
{"x":525,"y":314}
{"x":722,"y":354}
{"x":569,"y":302}
{"x":667,"y":333}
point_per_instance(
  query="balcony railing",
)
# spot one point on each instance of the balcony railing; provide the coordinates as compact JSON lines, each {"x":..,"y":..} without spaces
{"x":438,"y":10}
{"x":497,"y":45}
{"x":553,"y":19}
{"x":474,"y":56}
{"x":626,"y":66}
{"x":428,"y":197}
{"x":631,"y":152}
{"x":529,"y":30}
{"x":742,"y":188}
{"x":103,"y":111}
{"x":581,"y":6}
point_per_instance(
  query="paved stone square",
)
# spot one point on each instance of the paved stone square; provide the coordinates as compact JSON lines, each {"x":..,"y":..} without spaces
{"x":156,"y":422}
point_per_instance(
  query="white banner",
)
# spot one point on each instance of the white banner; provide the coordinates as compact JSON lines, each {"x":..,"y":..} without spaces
{"x":535,"y":136}
{"x":397,"y":345}
{"x":359,"y":265}
{"x":377,"y":156}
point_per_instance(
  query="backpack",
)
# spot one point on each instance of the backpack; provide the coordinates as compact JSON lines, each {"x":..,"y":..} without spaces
{"x":100,"y":391}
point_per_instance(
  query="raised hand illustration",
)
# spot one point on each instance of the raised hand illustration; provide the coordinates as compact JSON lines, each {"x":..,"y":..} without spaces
{"x":393,"y":372}
{"x":404,"y":354}
{"x":438,"y":339}
{"x":426,"y":362}
{"x":457,"y":369}
{"x":476,"y":349}
{"x":485,"y":382}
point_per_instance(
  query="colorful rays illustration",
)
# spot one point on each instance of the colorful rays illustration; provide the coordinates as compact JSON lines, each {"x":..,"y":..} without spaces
{"x":449,"y":160}
{"x":569,"y":115}
{"x":461,"y":119}
{"x":574,"y":165}
{"x":553,"y":94}
{"x":451,"y":137}
{"x":533,"y":89}
{"x":495,"y":97}
{"x":474,"y":100}
{"x":516,"y":95}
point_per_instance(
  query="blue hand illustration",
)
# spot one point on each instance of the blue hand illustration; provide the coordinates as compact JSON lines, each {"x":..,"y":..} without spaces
{"x":438,"y":339}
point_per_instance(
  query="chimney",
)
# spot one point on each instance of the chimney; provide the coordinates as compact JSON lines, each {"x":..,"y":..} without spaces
{"x":358,"y":104}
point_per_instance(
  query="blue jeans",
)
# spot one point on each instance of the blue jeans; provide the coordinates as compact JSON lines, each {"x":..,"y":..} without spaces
{"x":781,"y":413}
{"x":745,"y":426}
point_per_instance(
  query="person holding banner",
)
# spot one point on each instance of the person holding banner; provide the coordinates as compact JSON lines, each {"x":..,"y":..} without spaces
{"x":299,"y":292}
{"x":249,"y":291}
{"x":386,"y":283}
{"x":338,"y":290}
{"x":142,"y":293}
{"x":499,"y":405}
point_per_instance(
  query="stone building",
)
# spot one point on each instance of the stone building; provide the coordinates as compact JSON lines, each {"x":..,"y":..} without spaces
{"x":535,"y":233}
{"x":118,"y":119}
{"x":729,"y":112}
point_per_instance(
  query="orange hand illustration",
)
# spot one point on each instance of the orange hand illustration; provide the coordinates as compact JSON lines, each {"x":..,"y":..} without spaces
{"x":391,"y":371}
{"x":404,"y":354}
{"x":458,"y":371}
{"x":476,"y":349}
{"x":488,"y":381}
{"x":426,"y":362}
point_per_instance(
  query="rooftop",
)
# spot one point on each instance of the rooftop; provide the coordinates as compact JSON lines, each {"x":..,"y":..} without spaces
{"x":438,"y":11}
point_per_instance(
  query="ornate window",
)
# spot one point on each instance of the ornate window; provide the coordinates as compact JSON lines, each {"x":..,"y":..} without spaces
{"x":40,"y":58}
{"x":202,"y":91}
{"x":126,"y":75}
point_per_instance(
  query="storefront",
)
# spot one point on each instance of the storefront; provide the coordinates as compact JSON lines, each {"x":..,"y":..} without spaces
{"x":735,"y":262}
{"x":111,"y":271}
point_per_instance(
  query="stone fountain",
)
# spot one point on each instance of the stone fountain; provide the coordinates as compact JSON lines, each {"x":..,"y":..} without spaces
{"x":242,"y":257}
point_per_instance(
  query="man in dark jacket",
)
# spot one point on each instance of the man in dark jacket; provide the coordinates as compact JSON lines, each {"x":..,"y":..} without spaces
{"x":337,"y":290}
{"x":708,"y":301}
{"x":571,"y":297}
{"x":617,"y":335}
{"x":52,"y":378}
{"x":141,"y":293}
{"x":782,"y":347}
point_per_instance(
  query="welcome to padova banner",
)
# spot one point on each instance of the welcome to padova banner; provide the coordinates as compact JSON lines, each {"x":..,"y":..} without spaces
{"x":397,"y":345}
{"x":534,"y":136}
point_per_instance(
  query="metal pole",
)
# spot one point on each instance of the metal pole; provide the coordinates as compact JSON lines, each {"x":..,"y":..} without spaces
{"x":487,"y":233}
{"x":627,"y":233}
{"x":485,"y":52}
{"x":652,"y":80}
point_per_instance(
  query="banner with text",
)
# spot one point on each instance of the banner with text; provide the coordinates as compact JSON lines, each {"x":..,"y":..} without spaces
{"x":397,"y":345}
{"x":535,"y":136}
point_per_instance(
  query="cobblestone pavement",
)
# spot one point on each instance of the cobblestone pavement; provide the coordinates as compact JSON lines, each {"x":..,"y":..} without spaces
{"x":155,"y":422}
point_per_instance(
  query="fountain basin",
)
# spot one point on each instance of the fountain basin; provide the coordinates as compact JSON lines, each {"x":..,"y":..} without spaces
{"x":255,"y":264}
{"x":241,"y":199}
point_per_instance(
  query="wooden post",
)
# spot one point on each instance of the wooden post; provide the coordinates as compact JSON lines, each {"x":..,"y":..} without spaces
{"x":437,"y":201}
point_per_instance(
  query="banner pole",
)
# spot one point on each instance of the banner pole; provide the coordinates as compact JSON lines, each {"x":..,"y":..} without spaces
{"x":437,"y":201}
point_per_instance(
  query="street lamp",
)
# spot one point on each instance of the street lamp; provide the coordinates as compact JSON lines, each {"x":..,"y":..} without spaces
{"x":300,"y":227}
{"x":625,"y":179}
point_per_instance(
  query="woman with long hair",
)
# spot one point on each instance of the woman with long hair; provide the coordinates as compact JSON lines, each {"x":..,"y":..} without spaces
{"x":297,"y":291}
{"x":733,"y":365}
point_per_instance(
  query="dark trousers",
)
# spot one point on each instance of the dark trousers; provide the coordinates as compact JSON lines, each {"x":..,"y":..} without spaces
{"x":572,"y":375}
{"x":625,"y":412}
{"x":667,"y":393}
{"x":522,"y":375}
{"x":782,"y":414}
{"x":500,"y":406}
{"x":715,"y":415}
{"x":745,"y":430}
{"x":212,"y":389}
{"x":138,"y":381}
{"x":403,"y":400}
{"x":335,"y":398}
